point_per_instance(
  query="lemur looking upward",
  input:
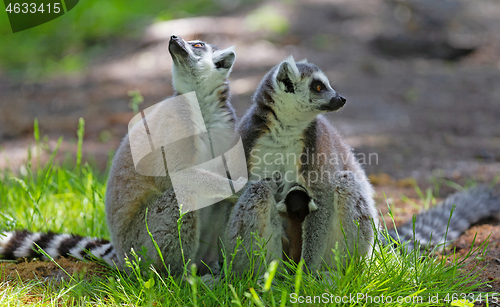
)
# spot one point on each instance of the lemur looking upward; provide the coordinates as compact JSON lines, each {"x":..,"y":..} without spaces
{"x":198,"y":67}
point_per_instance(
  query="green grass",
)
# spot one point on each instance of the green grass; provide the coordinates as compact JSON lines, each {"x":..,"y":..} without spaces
{"x":50,"y":197}
{"x":71,"y":199}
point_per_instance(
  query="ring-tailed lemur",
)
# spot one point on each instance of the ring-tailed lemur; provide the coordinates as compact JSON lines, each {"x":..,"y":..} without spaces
{"x":286,"y":138}
{"x":308,"y":194}
{"x":199,"y":67}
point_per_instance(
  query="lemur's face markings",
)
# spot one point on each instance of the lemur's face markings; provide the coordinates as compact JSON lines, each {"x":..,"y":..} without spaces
{"x":196,"y":62}
{"x":302,"y":87}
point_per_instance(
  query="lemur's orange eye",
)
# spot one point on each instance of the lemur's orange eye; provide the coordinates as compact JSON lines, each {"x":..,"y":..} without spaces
{"x":198,"y":45}
{"x":317,"y":86}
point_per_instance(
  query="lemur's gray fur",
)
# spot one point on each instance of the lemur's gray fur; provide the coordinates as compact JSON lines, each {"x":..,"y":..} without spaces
{"x":199,"y":67}
{"x":204,"y":70}
{"x":285,"y":119}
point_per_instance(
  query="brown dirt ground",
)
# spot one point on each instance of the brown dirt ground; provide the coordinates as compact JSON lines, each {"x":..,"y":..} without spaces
{"x":488,"y":266}
{"x":47,"y":271}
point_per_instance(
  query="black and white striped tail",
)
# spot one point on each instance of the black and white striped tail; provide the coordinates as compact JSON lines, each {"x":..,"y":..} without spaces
{"x":17,"y":244}
{"x":431,"y":226}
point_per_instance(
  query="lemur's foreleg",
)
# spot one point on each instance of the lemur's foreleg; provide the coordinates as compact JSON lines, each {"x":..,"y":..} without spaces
{"x":254,"y":213}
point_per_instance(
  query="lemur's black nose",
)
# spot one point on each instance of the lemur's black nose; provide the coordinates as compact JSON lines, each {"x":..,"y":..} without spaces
{"x":173,"y":37}
{"x":338,"y":100}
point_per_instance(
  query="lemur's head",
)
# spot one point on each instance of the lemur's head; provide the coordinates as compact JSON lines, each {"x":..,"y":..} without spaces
{"x":198,"y":65}
{"x":296,"y":89}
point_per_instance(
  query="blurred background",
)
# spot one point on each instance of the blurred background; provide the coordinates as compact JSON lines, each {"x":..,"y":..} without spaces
{"x":421,"y":77}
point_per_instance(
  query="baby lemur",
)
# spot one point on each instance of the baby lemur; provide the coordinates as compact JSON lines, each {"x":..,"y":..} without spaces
{"x":198,"y":67}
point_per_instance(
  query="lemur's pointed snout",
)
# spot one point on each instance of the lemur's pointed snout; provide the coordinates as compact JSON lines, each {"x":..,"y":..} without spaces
{"x":177,"y":47}
{"x":336,"y":102}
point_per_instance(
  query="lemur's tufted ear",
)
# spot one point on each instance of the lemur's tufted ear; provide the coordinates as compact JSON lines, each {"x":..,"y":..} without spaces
{"x":304,"y":61}
{"x":224,"y":59}
{"x":287,"y":74}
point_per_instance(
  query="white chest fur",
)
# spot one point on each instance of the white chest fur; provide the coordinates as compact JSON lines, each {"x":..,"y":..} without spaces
{"x":277,"y":155}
